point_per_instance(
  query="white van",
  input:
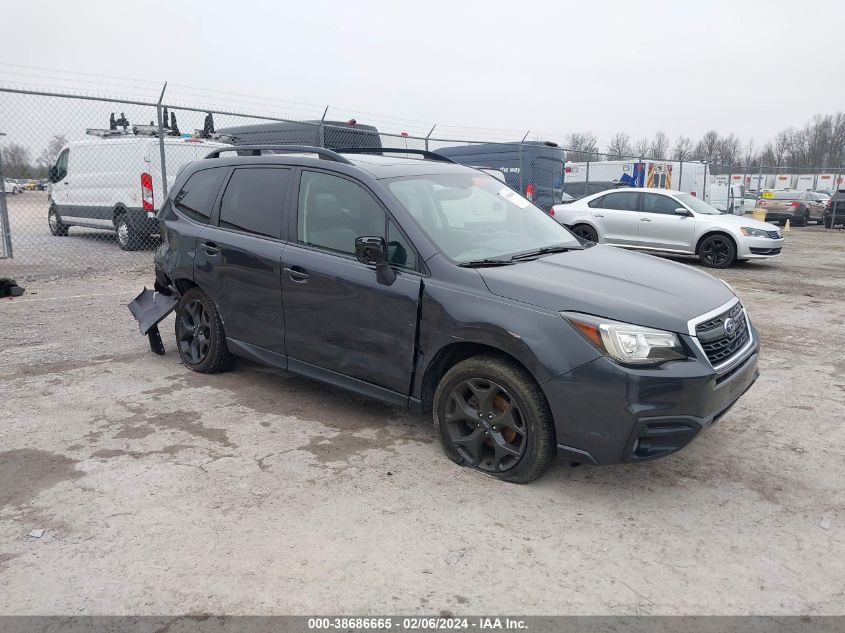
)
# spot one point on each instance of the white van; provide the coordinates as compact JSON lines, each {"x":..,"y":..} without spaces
{"x":115,"y":183}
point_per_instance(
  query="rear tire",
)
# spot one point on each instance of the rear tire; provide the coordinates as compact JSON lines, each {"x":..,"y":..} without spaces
{"x":199,"y":334}
{"x":802,"y":221}
{"x":491,"y":415}
{"x":586,"y":232}
{"x":717,"y":251}
{"x":54,"y":220}
{"x":127,"y":237}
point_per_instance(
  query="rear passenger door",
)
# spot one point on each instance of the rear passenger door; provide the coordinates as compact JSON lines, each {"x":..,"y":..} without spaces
{"x":238,"y":257}
{"x":661,"y":228}
{"x":617,"y":218}
{"x":341,"y":325}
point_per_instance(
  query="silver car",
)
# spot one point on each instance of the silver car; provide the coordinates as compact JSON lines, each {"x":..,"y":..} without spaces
{"x":672,"y":222}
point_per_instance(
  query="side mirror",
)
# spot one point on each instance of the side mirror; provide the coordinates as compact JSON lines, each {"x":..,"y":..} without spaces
{"x":682,"y":212}
{"x":372,"y":251}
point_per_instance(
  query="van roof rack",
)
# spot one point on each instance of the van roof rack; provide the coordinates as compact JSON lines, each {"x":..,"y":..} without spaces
{"x":396,"y":150}
{"x":255,"y":150}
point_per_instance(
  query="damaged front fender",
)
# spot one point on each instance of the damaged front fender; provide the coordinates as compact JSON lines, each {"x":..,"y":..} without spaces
{"x":149,"y":308}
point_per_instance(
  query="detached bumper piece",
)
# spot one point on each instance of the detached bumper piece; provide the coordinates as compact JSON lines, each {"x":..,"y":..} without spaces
{"x":149,"y":308}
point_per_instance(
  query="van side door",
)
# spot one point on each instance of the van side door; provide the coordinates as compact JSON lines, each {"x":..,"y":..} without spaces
{"x":341,"y":325}
{"x":238,"y":257}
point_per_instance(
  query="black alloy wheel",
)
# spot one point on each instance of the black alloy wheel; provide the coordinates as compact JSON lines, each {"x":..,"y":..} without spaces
{"x":485,"y":425}
{"x":717,"y":251}
{"x":193,"y":332}
{"x":586,"y":232}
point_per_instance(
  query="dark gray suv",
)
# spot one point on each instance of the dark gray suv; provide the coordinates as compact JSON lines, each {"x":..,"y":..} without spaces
{"x":431,"y":285}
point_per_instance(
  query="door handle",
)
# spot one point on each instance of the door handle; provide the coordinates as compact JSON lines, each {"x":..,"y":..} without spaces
{"x":645,"y":219}
{"x":297,"y":274}
{"x":210,"y":248}
{"x":598,"y":215}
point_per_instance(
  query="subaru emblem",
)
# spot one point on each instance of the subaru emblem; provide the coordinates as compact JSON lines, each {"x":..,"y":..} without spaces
{"x":730,"y":326}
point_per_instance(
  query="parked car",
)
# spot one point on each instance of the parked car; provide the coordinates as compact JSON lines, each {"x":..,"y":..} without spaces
{"x":799,"y":207}
{"x":43,"y":185}
{"x":834,"y":213}
{"x":669,"y":221}
{"x":30,"y":185}
{"x":10,"y":187}
{"x":431,"y":285}
{"x":535,"y":169}
{"x":115,"y":183}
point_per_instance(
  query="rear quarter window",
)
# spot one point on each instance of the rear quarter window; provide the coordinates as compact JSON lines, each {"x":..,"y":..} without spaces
{"x":196,"y":196}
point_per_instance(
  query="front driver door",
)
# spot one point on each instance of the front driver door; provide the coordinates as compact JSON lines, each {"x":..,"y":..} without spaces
{"x":341,"y":325}
{"x":661,"y":228}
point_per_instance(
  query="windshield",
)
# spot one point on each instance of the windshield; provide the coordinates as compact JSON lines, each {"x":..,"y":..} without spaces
{"x":474,"y":216}
{"x":698,"y":206}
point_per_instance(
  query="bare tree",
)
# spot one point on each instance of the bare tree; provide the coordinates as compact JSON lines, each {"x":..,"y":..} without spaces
{"x":16,"y":161}
{"x":780,"y":148}
{"x":659,"y":146}
{"x":48,"y":156}
{"x":620,"y":146}
{"x":581,"y":145}
{"x":682,"y":149}
{"x":642,"y":147}
{"x":728,"y":149}
{"x":707,"y":147}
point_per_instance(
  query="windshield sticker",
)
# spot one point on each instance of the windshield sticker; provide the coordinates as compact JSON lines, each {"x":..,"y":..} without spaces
{"x":513,"y":197}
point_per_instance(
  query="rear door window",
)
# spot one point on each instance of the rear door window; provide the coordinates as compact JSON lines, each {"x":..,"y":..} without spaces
{"x":597,"y":203}
{"x":621,"y":201}
{"x":254,"y":200}
{"x":197,"y":195}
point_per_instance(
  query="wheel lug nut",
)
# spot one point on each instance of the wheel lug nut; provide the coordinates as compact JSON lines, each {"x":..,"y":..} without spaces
{"x":490,"y":417}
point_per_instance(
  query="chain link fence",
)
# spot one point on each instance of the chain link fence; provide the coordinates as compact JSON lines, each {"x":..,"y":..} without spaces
{"x":83,"y":177}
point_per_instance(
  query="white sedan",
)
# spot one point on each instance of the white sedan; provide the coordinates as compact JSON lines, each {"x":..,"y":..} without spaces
{"x":672,"y":222}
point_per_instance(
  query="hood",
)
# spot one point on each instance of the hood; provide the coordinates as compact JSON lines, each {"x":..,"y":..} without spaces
{"x":614,"y":283}
{"x":736,"y":221}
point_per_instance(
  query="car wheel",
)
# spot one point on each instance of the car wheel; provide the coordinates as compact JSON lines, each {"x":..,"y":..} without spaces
{"x":199,"y":334}
{"x":802,"y":221}
{"x":57,"y":227}
{"x":717,"y":251}
{"x":490,"y":415}
{"x":127,"y":237}
{"x":585,"y":232}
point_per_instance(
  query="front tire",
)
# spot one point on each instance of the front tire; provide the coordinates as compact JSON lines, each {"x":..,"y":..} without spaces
{"x":491,"y":415}
{"x":54,"y":220}
{"x":199,"y":334}
{"x":717,"y":251}
{"x":586,"y":232}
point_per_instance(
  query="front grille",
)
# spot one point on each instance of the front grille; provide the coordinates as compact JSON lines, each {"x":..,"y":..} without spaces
{"x":765,"y":251}
{"x":718,"y":345}
{"x":775,"y":235}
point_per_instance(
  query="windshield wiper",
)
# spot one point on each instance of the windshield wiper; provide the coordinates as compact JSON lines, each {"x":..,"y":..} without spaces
{"x":480,"y":263}
{"x":546,"y":250}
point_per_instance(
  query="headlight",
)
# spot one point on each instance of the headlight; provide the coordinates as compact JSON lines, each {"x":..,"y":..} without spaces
{"x":625,"y":343}
{"x":749,"y":232}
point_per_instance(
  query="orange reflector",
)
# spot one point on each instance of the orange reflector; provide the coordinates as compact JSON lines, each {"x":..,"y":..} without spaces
{"x":590,"y":331}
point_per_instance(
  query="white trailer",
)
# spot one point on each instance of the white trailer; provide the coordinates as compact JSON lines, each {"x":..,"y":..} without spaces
{"x":826,"y":182}
{"x":606,"y":174}
{"x":784,"y":181}
{"x":805,"y":182}
{"x":756,"y":182}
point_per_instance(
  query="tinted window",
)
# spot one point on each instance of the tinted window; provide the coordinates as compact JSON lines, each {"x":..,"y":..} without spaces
{"x":597,"y":203}
{"x":61,"y":165}
{"x":333,"y":212}
{"x":197,"y":195}
{"x":399,"y":249}
{"x":622,"y":201}
{"x":253,"y":201}
{"x":654,"y":203}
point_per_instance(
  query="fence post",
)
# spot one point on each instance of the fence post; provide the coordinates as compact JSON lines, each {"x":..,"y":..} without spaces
{"x":730,"y":190}
{"x":759,"y":183}
{"x":522,"y":184}
{"x":4,"y":214}
{"x":835,"y":201}
{"x":680,"y":175}
{"x":323,"y":128}
{"x":427,"y":136}
{"x":161,"y":145}
{"x":587,"y":178}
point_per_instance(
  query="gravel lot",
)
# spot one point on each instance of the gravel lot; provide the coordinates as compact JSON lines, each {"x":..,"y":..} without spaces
{"x":162,"y":491}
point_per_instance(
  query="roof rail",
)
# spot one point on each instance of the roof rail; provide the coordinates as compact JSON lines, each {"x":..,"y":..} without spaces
{"x":325,"y":154}
{"x":396,"y":150}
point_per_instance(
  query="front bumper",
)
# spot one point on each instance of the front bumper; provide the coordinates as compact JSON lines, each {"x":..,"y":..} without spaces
{"x":605,"y":413}
{"x":758,"y":247}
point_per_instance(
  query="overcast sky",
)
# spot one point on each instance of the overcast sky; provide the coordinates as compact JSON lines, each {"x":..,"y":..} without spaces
{"x":553,"y":67}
